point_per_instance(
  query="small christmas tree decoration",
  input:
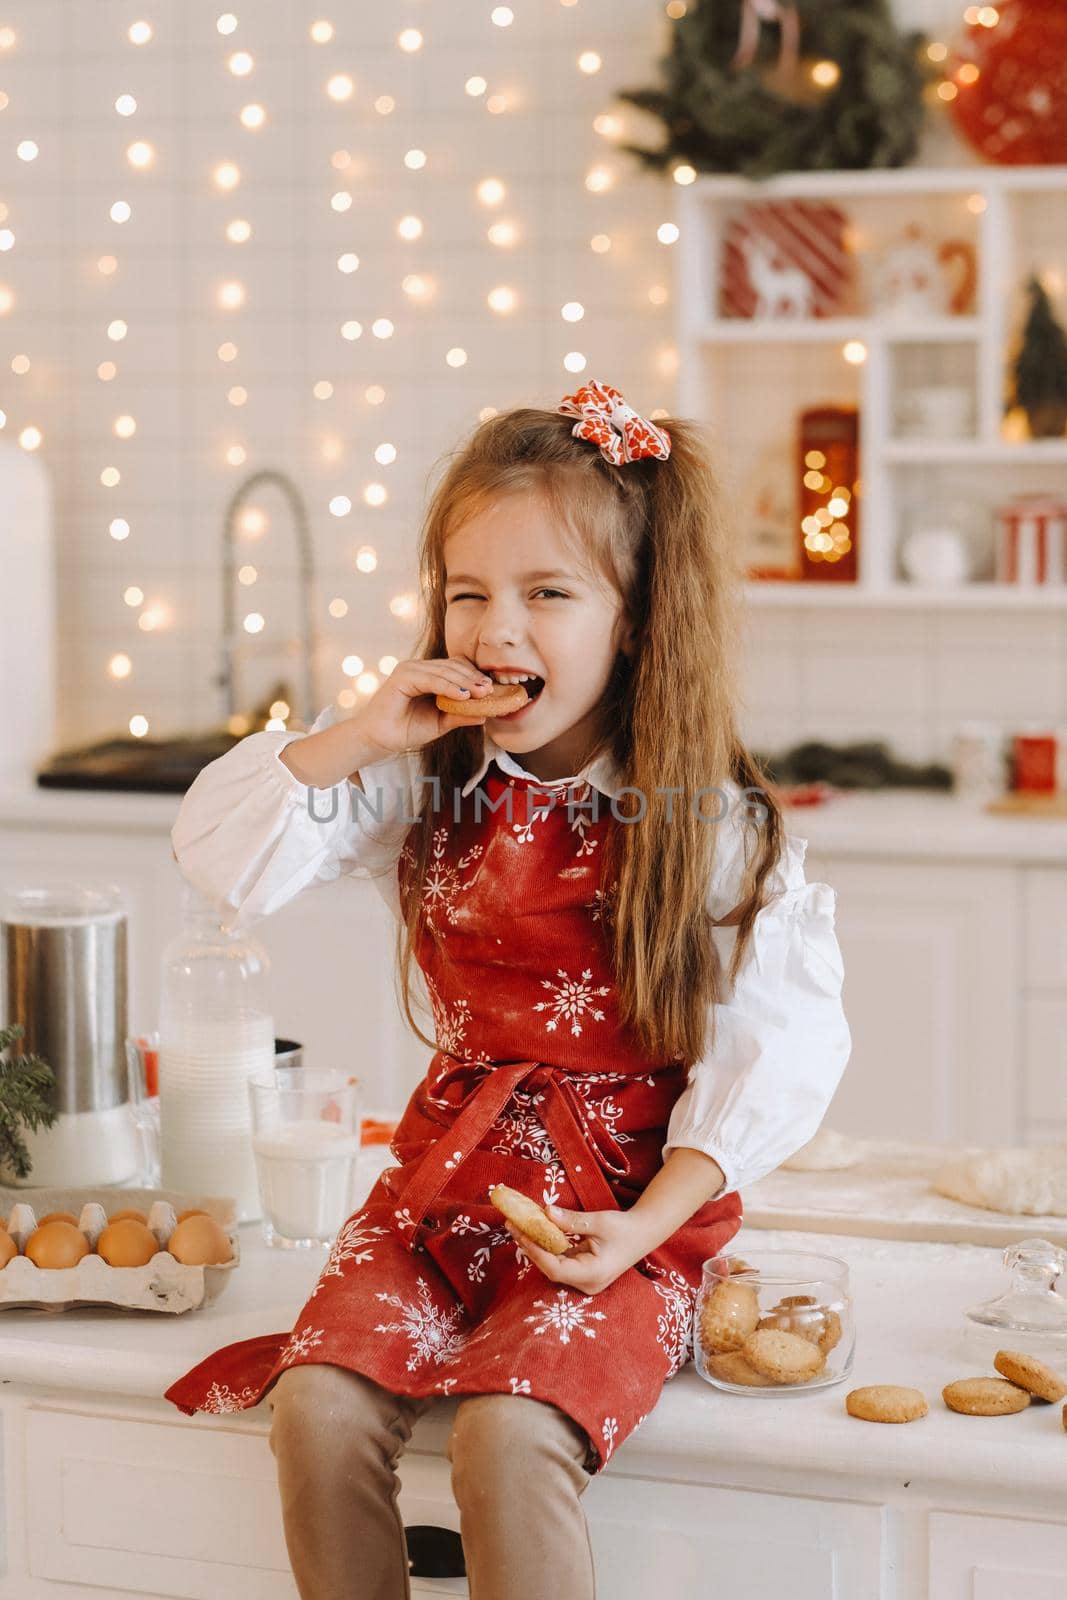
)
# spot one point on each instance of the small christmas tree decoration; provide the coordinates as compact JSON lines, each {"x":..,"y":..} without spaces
{"x":26,"y":1082}
{"x":764,"y":86}
{"x":1040,"y":370}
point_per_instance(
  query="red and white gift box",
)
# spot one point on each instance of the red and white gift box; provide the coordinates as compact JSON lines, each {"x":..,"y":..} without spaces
{"x":1032,"y":541}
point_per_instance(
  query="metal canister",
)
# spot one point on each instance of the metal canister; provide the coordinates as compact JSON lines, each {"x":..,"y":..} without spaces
{"x":63,"y":977}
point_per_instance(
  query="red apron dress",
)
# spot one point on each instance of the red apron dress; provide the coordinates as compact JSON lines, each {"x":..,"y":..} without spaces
{"x":536,"y":1084}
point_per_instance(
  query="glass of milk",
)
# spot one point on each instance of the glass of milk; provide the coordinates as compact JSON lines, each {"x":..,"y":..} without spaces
{"x":305,"y":1139}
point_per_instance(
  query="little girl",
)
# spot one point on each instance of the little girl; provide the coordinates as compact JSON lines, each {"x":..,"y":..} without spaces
{"x":636,"y":997}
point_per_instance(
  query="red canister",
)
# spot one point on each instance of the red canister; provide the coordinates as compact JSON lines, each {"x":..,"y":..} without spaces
{"x":1034,"y":763}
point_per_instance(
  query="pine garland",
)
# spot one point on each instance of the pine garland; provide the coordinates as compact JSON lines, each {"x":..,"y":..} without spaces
{"x":760,"y":118}
{"x":25,"y":1085}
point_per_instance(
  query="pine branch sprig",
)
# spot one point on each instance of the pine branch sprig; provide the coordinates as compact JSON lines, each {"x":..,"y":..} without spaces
{"x":26,"y":1084}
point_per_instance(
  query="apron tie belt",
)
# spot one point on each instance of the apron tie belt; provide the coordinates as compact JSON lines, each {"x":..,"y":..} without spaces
{"x":584,"y":1146}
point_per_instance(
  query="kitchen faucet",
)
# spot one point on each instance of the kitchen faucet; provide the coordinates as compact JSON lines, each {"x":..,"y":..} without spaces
{"x":226,"y":678}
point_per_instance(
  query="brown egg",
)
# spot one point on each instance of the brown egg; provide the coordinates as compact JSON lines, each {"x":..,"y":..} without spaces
{"x":57,"y":1244}
{"x":8,"y":1247}
{"x":58,"y":1216}
{"x":200,"y":1240}
{"x":193,"y":1212}
{"x":118,"y":1216}
{"x":126,"y":1243}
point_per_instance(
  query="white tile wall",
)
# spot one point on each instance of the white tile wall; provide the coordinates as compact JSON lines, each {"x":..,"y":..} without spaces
{"x":905,"y":678}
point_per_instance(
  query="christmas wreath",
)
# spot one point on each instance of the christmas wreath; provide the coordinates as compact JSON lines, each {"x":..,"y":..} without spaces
{"x":764,"y":86}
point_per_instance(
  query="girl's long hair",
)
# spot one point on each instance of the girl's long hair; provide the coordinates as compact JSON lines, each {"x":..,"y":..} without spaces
{"x":657,"y":531}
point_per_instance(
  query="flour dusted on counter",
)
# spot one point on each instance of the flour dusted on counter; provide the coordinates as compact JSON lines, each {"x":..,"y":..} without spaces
{"x":1027,"y":1182}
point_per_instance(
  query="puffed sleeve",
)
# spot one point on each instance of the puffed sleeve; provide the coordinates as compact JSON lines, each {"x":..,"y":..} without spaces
{"x":250,"y":836}
{"x":781,"y":1040}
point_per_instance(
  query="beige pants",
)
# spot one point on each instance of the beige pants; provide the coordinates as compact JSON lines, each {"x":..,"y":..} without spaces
{"x":517,"y":1474}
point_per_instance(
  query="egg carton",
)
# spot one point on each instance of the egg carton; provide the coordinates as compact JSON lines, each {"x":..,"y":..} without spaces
{"x":162,"y":1284}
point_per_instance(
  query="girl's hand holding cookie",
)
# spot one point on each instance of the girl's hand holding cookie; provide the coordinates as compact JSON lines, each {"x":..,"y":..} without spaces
{"x":404,"y":715}
{"x":609,"y":1244}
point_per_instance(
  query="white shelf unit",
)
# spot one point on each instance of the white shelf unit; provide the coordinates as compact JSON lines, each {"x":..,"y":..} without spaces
{"x":747,"y":377}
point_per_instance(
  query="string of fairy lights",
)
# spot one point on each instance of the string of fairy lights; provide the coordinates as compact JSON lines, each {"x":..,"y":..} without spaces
{"x":504,"y":232}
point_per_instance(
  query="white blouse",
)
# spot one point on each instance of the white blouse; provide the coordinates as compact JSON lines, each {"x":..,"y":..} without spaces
{"x":246,"y":837}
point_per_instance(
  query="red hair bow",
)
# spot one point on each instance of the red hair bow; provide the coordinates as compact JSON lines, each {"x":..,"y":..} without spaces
{"x":606,"y":420}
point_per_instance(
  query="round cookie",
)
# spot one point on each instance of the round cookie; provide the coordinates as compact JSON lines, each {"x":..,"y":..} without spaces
{"x":529,"y":1218}
{"x":732,"y":1367}
{"x":802,"y":1315}
{"x":1030,"y":1374}
{"x":729,"y":1314}
{"x":783,"y":1357}
{"x":501,"y":699}
{"x":985,"y":1397}
{"x":886,"y":1402}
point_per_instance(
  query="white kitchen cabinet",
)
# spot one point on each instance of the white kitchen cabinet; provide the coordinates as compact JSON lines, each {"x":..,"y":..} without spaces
{"x":1045,"y":891}
{"x":996,"y":1558}
{"x":932,"y":995}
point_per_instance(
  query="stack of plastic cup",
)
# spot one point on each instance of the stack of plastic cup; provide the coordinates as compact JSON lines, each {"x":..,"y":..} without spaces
{"x":205,"y":1124}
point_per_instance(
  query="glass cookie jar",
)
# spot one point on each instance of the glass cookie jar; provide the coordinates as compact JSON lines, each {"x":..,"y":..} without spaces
{"x":773,"y":1321}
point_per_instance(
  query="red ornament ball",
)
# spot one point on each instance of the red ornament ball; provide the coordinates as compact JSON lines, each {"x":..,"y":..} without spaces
{"x":1014,"y":111}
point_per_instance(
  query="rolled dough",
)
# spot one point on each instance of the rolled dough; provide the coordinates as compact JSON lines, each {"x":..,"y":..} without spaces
{"x":827,"y":1152}
{"x":1027,"y":1182}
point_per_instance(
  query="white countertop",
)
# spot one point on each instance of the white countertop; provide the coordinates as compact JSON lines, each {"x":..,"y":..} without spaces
{"x":904,"y":823}
{"x":909,"y":1300}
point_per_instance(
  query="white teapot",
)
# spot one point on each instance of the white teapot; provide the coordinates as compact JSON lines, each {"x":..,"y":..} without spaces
{"x":911,"y":281}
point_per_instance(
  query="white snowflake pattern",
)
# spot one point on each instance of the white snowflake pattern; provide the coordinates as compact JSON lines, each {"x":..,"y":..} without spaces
{"x":674,"y":1324}
{"x":519,"y":1385}
{"x":442,"y":883}
{"x":300,"y":1343}
{"x":603,"y":905}
{"x":351,"y":1244}
{"x":432,"y":1332}
{"x":450,"y":1024}
{"x":609,"y":1432}
{"x":573,"y":999}
{"x":220,"y":1398}
{"x":565,"y":1315}
{"x":446,"y":1385}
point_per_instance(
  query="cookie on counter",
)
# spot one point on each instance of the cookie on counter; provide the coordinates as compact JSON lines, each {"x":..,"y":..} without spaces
{"x":1030,"y":1374}
{"x":985,"y":1397}
{"x":886,"y":1402}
